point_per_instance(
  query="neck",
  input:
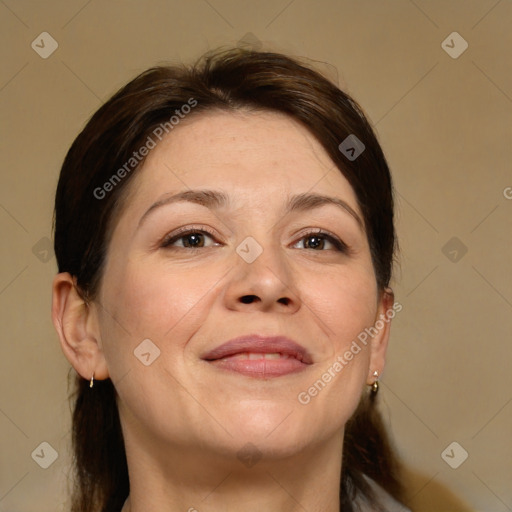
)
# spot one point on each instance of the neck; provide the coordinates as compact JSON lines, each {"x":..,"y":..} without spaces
{"x":197,"y":481}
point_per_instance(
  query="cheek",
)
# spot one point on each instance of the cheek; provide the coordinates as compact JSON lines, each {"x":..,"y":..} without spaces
{"x":149,"y":301}
{"x":344,"y":301}
{"x":345,"y":304}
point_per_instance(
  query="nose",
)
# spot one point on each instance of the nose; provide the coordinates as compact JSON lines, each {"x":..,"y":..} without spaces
{"x":265,"y":284}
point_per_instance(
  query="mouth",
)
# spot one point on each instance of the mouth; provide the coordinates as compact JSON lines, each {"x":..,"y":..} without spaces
{"x":260,"y":356}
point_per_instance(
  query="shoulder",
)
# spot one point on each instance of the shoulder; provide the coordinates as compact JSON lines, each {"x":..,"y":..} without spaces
{"x":386,"y":501}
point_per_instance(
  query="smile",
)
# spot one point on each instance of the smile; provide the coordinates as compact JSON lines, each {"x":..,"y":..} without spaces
{"x":260,"y":356}
{"x":260,"y":365}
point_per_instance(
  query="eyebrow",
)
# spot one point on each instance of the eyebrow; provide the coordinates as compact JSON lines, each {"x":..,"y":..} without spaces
{"x":307,"y":201}
{"x":211,"y":199}
{"x":214,"y":200}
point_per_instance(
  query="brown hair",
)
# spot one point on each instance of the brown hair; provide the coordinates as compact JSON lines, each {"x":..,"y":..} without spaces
{"x":86,"y":211}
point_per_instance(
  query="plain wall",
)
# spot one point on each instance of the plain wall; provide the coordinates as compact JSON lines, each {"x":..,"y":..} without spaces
{"x":446,"y":127}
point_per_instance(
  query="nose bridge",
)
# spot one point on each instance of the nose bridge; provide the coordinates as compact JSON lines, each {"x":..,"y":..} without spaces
{"x":264,"y":255}
{"x":262,"y":276}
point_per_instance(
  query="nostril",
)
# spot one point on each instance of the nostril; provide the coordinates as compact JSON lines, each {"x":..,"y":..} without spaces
{"x":284,"y":300}
{"x":248,"y":299}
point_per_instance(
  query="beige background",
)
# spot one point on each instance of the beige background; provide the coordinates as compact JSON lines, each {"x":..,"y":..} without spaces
{"x":446,"y":127}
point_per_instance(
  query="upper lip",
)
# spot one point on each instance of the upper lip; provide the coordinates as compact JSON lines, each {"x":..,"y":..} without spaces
{"x":260,"y":345}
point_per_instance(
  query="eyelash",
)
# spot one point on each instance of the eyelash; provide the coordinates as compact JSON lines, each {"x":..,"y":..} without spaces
{"x":339,"y":244}
{"x":171,"y":238}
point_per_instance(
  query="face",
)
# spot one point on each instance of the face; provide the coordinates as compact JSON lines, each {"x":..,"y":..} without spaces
{"x":184,"y":274}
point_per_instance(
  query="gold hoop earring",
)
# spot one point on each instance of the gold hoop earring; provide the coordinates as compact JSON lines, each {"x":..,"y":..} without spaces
{"x":91,"y":384}
{"x":375,"y":385}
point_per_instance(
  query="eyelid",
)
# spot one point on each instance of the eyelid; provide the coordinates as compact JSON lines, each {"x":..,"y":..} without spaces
{"x":185,"y":230}
{"x":334,"y":239}
{"x":175,"y":235}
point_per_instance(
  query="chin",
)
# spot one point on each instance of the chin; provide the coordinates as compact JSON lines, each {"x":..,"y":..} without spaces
{"x":272,"y":427}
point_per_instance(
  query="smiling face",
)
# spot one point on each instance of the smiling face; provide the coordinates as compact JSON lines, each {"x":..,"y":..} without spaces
{"x":182,"y":272}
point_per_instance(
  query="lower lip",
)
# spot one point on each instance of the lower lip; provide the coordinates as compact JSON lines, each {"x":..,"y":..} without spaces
{"x":261,"y":368}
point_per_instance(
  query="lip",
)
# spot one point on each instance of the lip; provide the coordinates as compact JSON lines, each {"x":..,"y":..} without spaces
{"x":298,"y":357}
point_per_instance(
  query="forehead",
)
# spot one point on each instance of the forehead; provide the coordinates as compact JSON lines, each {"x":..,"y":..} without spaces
{"x":257,"y":156}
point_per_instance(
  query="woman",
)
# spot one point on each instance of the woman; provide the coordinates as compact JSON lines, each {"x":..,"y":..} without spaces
{"x":224,"y":237}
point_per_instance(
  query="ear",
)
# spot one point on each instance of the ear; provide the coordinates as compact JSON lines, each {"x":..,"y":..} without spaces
{"x":77,"y":326}
{"x":379,"y":344}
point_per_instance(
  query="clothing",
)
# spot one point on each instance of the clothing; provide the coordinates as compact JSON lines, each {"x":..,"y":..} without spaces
{"x":387,"y":502}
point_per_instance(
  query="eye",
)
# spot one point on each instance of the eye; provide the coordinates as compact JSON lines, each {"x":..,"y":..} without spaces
{"x":321,"y":241}
{"x":188,"y":239}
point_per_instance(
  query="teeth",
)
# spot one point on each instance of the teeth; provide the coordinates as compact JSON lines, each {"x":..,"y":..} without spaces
{"x":272,"y":356}
{"x":253,"y":356}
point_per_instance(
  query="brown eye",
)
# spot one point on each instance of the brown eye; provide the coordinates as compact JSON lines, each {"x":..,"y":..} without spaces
{"x":314,"y":242}
{"x":191,"y":239}
{"x":321,"y":241}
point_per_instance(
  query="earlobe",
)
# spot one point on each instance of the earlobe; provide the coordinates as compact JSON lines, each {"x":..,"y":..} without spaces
{"x":77,"y":327}
{"x":379,"y":345}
